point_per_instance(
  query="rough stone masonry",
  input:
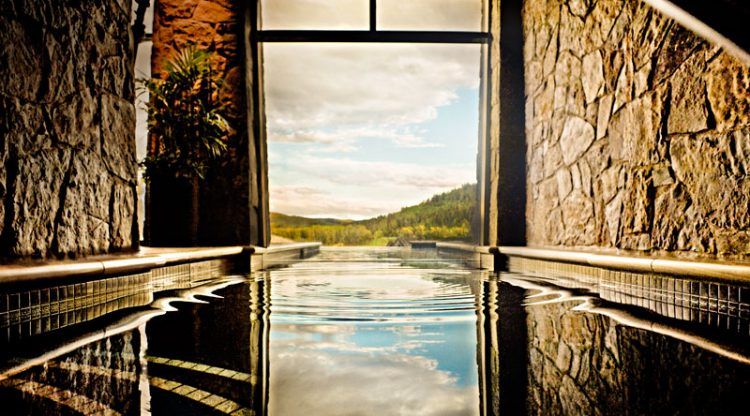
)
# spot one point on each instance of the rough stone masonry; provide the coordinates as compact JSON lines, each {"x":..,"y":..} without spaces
{"x":638,"y":131}
{"x":68,"y":176}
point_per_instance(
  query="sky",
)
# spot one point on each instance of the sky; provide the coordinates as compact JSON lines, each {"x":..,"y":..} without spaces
{"x":360,"y":130}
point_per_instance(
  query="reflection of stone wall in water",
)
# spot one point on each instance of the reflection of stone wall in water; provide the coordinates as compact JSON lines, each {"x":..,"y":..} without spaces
{"x":100,"y":377}
{"x":503,"y":333}
{"x":67,"y":150}
{"x":230,"y":334}
{"x":581,"y":363}
{"x":638,"y":131}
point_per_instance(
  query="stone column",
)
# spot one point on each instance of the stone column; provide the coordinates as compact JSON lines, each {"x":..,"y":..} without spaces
{"x":67,"y":122}
{"x":233,"y":200}
{"x":503,"y":147}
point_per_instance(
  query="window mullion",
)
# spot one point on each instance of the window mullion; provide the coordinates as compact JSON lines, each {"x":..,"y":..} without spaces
{"x":373,"y":15}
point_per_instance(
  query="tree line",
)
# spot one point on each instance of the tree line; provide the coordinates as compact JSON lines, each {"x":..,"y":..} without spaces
{"x":446,"y":216}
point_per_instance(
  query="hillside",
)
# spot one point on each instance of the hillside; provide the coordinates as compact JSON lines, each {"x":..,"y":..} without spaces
{"x":445,"y":216}
{"x":283,"y":220}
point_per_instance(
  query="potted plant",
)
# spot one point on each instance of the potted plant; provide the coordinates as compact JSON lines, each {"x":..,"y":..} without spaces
{"x":187,"y":134}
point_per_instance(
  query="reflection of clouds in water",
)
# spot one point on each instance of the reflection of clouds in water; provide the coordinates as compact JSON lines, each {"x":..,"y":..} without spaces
{"x":339,"y":338}
{"x":339,"y":343}
{"x":381,"y":286}
{"x":313,"y":382}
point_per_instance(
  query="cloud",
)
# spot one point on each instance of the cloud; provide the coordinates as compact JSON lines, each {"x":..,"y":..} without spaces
{"x":349,"y":188}
{"x":315,"y":14}
{"x":462,"y":15}
{"x":344,"y":139}
{"x":353,"y":14}
{"x":364,"y":86}
{"x":344,"y":171}
{"x":311,"y":202}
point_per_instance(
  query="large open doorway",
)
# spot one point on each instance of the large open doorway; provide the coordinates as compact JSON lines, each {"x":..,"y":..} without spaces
{"x":372,"y":107}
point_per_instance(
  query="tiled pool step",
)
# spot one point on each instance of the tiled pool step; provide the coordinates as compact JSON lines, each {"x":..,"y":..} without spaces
{"x":717,"y":304}
{"x":40,"y":298}
{"x":127,"y":263}
{"x":148,"y":258}
{"x":703,"y":267}
{"x":27,"y":312}
{"x":218,"y":403}
{"x":202,"y":368}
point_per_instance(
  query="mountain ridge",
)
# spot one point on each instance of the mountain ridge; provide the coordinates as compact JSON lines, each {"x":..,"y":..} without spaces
{"x":444,"y":216}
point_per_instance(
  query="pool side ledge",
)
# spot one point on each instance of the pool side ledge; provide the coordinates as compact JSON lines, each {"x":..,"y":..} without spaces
{"x":240,"y":259}
{"x":710,"y":268}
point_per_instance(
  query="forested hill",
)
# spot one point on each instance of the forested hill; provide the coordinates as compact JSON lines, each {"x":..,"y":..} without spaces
{"x":447,"y":210}
{"x":283,"y":220}
{"x":445,"y":216}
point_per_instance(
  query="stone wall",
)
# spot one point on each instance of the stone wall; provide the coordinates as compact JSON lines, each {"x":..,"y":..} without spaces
{"x":67,"y":146}
{"x":217,"y":26}
{"x":638,"y":132}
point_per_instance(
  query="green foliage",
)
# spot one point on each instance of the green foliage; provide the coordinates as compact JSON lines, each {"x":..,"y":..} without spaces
{"x":445,"y":216}
{"x":283,"y":220}
{"x":328,"y":234}
{"x":184,"y":117}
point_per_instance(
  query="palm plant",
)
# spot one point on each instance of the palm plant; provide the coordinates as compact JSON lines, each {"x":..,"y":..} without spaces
{"x":187,"y":135}
{"x":187,"y":129}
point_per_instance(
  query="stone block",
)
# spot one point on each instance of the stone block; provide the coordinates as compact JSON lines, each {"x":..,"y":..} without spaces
{"x":123,"y":215}
{"x":21,"y":59}
{"x":689,"y":111}
{"x":707,"y":166}
{"x":679,"y":45}
{"x":634,"y":130}
{"x":576,"y":137}
{"x":612,"y":215}
{"x":553,"y":160}
{"x":212,"y":11}
{"x":170,"y":10}
{"x":577,"y":217}
{"x":604,"y":113}
{"x":593,"y":76}
{"x":637,"y":203}
{"x":84,"y":224}
{"x":564,"y":183}
{"x":35,"y":201}
{"x":75,"y":121}
{"x":728,"y":84}
{"x":536,"y":166}
{"x":118,"y":137}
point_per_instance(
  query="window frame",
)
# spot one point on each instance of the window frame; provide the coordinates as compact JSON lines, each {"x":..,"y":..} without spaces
{"x":373,"y":35}
{"x":258,"y":147}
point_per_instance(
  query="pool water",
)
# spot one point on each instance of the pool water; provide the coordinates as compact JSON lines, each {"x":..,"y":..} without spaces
{"x":377,"y":332}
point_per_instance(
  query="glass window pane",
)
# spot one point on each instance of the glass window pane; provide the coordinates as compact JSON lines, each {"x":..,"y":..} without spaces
{"x":360,"y":130}
{"x":448,"y":15}
{"x":315,"y":14}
